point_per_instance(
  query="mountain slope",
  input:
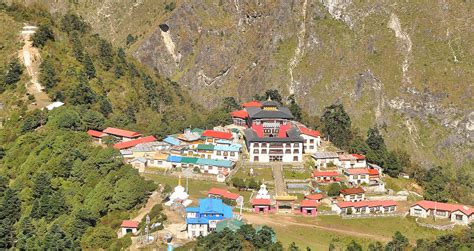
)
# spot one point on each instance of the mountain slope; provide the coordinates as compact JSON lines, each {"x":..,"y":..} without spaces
{"x":406,"y":66}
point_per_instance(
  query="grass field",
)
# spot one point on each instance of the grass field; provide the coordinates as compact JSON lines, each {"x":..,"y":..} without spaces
{"x":260,"y":174}
{"x":317,"y":233}
{"x":296,"y":174}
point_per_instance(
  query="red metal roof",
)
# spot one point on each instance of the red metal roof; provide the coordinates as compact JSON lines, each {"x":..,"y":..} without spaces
{"x":367,"y":203}
{"x":217,"y":134}
{"x":283,"y":129}
{"x":129,"y":224}
{"x":224,"y":193}
{"x":353,"y":171}
{"x":258,"y":130}
{"x":261,"y":202}
{"x":96,"y":134}
{"x":352,"y":190}
{"x":373,"y":172}
{"x":252,"y":104}
{"x":358,"y":156}
{"x":324,"y":174}
{"x":309,"y":132}
{"x":240,"y":114}
{"x":315,"y":196}
{"x":121,"y":132}
{"x":426,"y":204}
{"x":308,"y":203}
{"x":132,"y":143}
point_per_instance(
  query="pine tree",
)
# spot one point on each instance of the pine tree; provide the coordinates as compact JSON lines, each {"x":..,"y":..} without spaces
{"x":42,"y":185}
{"x":10,"y":209}
{"x":89,"y":66}
{"x":42,"y":36}
{"x":48,"y":76}
{"x":106,"y":54}
{"x":105,"y":106}
{"x":336,"y":125}
{"x":56,"y":239}
{"x":14,"y":71}
{"x":377,"y":149}
{"x":77,"y":48}
{"x":295,"y":108}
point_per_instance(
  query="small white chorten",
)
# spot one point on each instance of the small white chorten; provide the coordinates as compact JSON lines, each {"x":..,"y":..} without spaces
{"x":179,"y":195}
{"x":263,"y":192}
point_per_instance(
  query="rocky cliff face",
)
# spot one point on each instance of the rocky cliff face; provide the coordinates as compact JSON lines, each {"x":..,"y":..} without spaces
{"x":407,"y":65}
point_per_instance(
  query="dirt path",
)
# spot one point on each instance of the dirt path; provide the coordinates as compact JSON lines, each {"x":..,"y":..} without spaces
{"x":280,"y":188}
{"x":284,"y":221}
{"x":31,"y":58}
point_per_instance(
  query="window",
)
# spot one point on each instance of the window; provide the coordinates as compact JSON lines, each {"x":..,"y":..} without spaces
{"x":441,"y":213}
{"x":233,"y":153}
{"x":264,"y":144}
{"x":264,"y":151}
{"x":311,"y":141}
{"x":226,"y":153}
{"x":255,"y":158}
{"x":458,"y":217}
{"x":288,"y":151}
{"x":295,"y":158}
{"x":362,"y":177}
{"x":311,"y":147}
{"x":255,"y":151}
{"x":218,"y":153}
{"x":296,"y":151}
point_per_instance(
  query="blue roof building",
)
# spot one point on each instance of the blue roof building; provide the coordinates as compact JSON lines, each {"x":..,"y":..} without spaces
{"x":215,"y":162}
{"x":174,"y":159}
{"x":172,"y":141}
{"x":228,"y":148}
{"x":203,"y":219}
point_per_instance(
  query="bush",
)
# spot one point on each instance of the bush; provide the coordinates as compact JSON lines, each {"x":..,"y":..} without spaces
{"x":42,"y":36}
{"x":334,"y":189}
{"x":238,"y":183}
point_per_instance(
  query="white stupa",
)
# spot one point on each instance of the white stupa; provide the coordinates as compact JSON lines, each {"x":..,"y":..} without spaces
{"x":263,"y":192}
{"x":179,"y":195}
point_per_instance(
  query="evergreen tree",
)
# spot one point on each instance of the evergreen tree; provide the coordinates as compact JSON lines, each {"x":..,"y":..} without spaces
{"x":274,"y":95}
{"x":398,"y":243}
{"x":293,"y":247}
{"x":230,"y":104}
{"x":56,"y":239}
{"x":72,"y":22}
{"x":93,"y":120}
{"x":89,"y":66}
{"x":436,"y":185}
{"x":106,"y":54}
{"x":42,"y":185}
{"x":3,"y":184}
{"x":263,"y":238}
{"x":57,"y":205}
{"x":353,"y":246}
{"x":392,"y":166}
{"x":26,"y":232}
{"x":295,"y":108}
{"x":377,"y":149}
{"x":14,"y":71}
{"x":48,"y":76}
{"x":377,"y":246}
{"x":82,"y":95}
{"x":9,"y":214}
{"x":336,"y":125}
{"x":104,"y":106}
{"x":77,"y":48}
{"x":42,"y":35}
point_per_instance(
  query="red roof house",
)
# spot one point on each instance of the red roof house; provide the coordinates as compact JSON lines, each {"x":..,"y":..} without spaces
{"x":431,"y":205}
{"x":352,"y":190}
{"x":132,"y":143}
{"x":358,"y":156}
{"x":261,"y":202}
{"x":308,"y":203}
{"x":315,"y":196}
{"x":309,"y":132}
{"x":96,"y":134}
{"x":252,"y":104}
{"x":121,"y":132}
{"x":129,"y":224}
{"x":367,"y":204}
{"x":243,"y":114}
{"x":217,"y":134}
{"x":223,"y":193}
{"x":324,"y":174}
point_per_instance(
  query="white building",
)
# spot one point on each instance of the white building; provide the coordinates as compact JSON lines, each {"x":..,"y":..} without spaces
{"x":312,"y":139}
{"x":353,"y":194}
{"x":365,"y":207}
{"x":202,"y":220}
{"x":357,"y":176}
{"x":322,"y":159}
{"x":129,"y":226}
{"x":352,"y":161}
{"x":459,"y":214}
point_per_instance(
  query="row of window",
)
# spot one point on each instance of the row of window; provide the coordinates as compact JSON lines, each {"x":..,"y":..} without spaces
{"x":276,"y":151}
{"x":276,"y":158}
{"x":310,"y":141}
{"x":286,"y":145}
